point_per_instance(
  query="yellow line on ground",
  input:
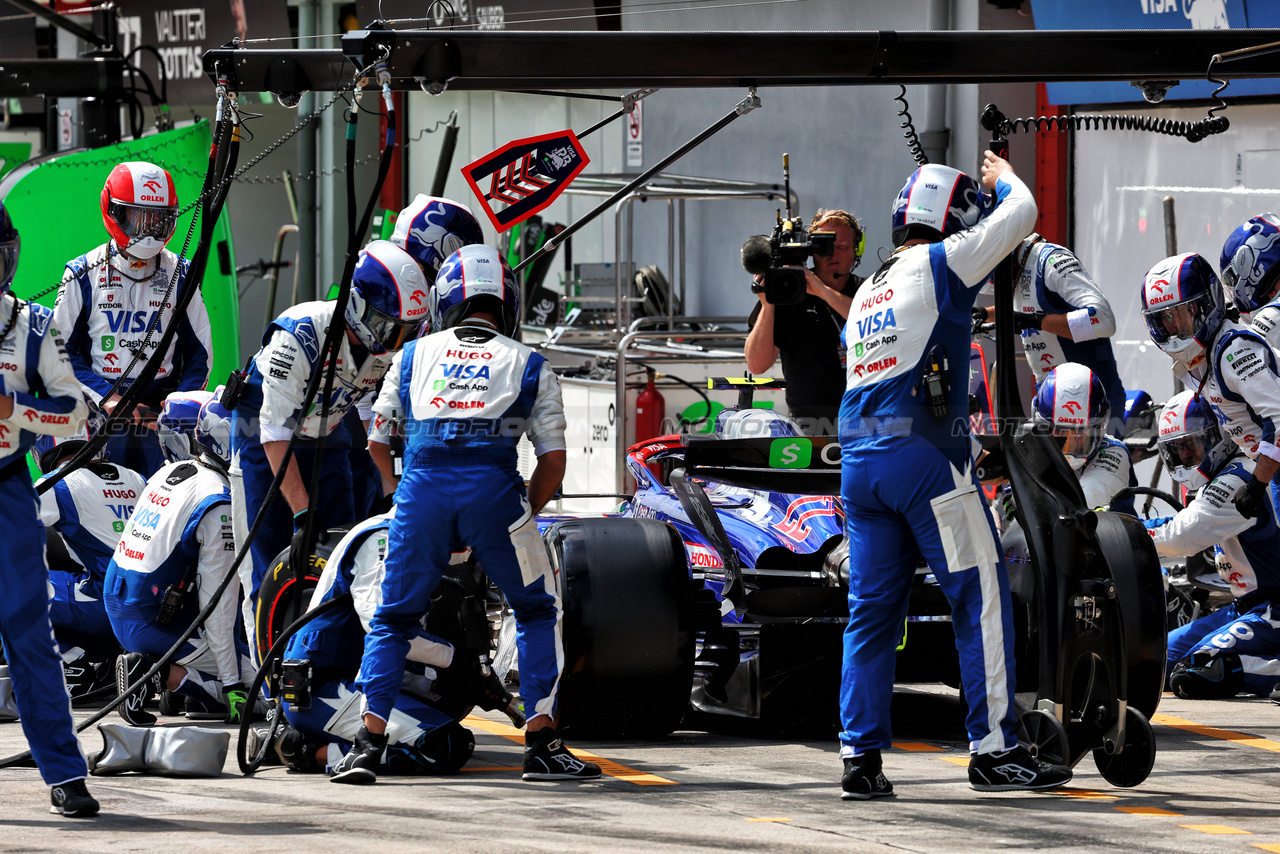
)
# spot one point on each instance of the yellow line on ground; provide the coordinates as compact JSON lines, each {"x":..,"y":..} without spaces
{"x":1220,"y":829}
{"x":608,"y":766}
{"x":916,"y":747}
{"x":1268,"y":846}
{"x":771,"y":819}
{"x":1148,"y":811}
{"x":1214,"y":732}
{"x":962,"y":761}
{"x":1086,"y":794}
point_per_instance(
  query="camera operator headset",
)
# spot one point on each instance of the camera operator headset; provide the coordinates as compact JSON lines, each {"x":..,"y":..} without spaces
{"x":804,"y":327}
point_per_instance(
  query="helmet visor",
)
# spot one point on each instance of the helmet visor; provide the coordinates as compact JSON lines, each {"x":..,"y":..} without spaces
{"x":138,"y":221}
{"x":391,"y":332}
{"x":1179,"y":322}
{"x":8,"y":261}
{"x":1187,"y":451}
{"x":1077,"y":442}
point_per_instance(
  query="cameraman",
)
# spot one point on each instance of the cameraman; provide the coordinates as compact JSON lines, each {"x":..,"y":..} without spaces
{"x":808,"y":335}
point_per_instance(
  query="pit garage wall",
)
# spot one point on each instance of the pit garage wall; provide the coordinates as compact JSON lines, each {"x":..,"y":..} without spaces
{"x":1120,"y":182}
{"x":845,"y":143}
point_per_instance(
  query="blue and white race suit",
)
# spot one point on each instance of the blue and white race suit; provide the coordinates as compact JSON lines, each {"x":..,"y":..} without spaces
{"x":1245,"y":553}
{"x":268,"y":412}
{"x":1266,"y":322}
{"x":1050,"y":279}
{"x":1108,"y":471}
{"x":89,"y":508}
{"x":36,"y":374}
{"x":105,"y":313}
{"x":334,"y":642}
{"x":469,"y":394}
{"x":1240,"y":377}
{"x":181,"y":528}
{"x":908,"y":484}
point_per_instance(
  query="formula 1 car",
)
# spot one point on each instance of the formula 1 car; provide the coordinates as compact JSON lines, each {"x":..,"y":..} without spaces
{"x":757,"y":510}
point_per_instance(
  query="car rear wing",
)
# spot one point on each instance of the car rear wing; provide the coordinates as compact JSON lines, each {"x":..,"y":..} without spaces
{"x":799,"y":464}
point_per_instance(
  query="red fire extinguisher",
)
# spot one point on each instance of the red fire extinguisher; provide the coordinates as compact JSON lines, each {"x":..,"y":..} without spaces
{"x":651,"y":410}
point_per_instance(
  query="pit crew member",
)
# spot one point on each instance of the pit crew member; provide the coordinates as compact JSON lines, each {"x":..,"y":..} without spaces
{"x":1228,"y":363}
{"x":808,"y":336}
{"x":431,"y":229}
{"x":1250,"y":267}
{"x":422,"y":739}
{"x":467,"y":393}
{"x":907,"y":476}
{"x":176,"y":550}
{"x":38,"y":395}
{"x":88,"y":509}
{"x":1073,"y":405}
{"x":1237,"y":648}
{"x":1062,"y":317}
{"x":116,"y":292}
{"x":387,"y":305}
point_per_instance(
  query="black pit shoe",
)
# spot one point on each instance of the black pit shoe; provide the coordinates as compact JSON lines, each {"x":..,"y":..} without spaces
{"x":72,"y":799}
{"x":129,"y":667}
{"x":360,"y":765}
{"x":1014,"y":770}
{"x":546,"y":758}
{"x":863,"y":778}
{"x":295,"y":752}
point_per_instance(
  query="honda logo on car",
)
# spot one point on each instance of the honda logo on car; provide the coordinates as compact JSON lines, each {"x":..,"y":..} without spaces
{"x":703,"y":557}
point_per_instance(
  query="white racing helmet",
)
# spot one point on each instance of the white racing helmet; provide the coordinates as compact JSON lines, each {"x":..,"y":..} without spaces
{"x":1190,"y":441}
{"x":389,"y":297}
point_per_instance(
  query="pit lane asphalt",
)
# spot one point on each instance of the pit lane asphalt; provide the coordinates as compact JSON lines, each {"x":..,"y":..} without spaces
{"x":1215,"y":788}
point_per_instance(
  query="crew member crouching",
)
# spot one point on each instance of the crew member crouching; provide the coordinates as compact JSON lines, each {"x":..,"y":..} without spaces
{"x":1237,"y":648}
{"x":176,"y":550}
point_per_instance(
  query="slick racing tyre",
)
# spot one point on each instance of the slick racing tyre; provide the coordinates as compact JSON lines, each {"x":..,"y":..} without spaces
{"x":280,"y":602}
{"x":628,"y":626}
{"x":1140,"y":596}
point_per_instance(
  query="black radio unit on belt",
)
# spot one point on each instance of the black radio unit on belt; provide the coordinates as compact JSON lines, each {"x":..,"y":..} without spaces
{"x":935,"y":383}
{"x":295,"y":683}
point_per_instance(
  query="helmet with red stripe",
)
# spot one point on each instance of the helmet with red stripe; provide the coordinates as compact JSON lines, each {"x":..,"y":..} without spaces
{"x":475,"y":278}
{"x":1182,"y":304}
{"x":388,"y":302}
{"x":1072,"y":405}
{"x":431,"y":229}
{"x":1251,"y":262}
{"x":10,"y":248}
{"x":936,"y":202}
{"x":176,"y":424}
{"x":1190,"y":441}
{"x":140,"y":208}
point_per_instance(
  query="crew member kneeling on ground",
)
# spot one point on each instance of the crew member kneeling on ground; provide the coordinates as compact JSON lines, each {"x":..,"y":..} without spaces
{"x":467,"y":393}
{"x":175,"y":552}
{"x":386,"y":308}
{"x":421,"y":738}
{"x":38,"y":395}
{"x":1237,"y":648}
{"x":88,"y":510}
{"x":807,"y":336}
{"x":907,"y":475}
